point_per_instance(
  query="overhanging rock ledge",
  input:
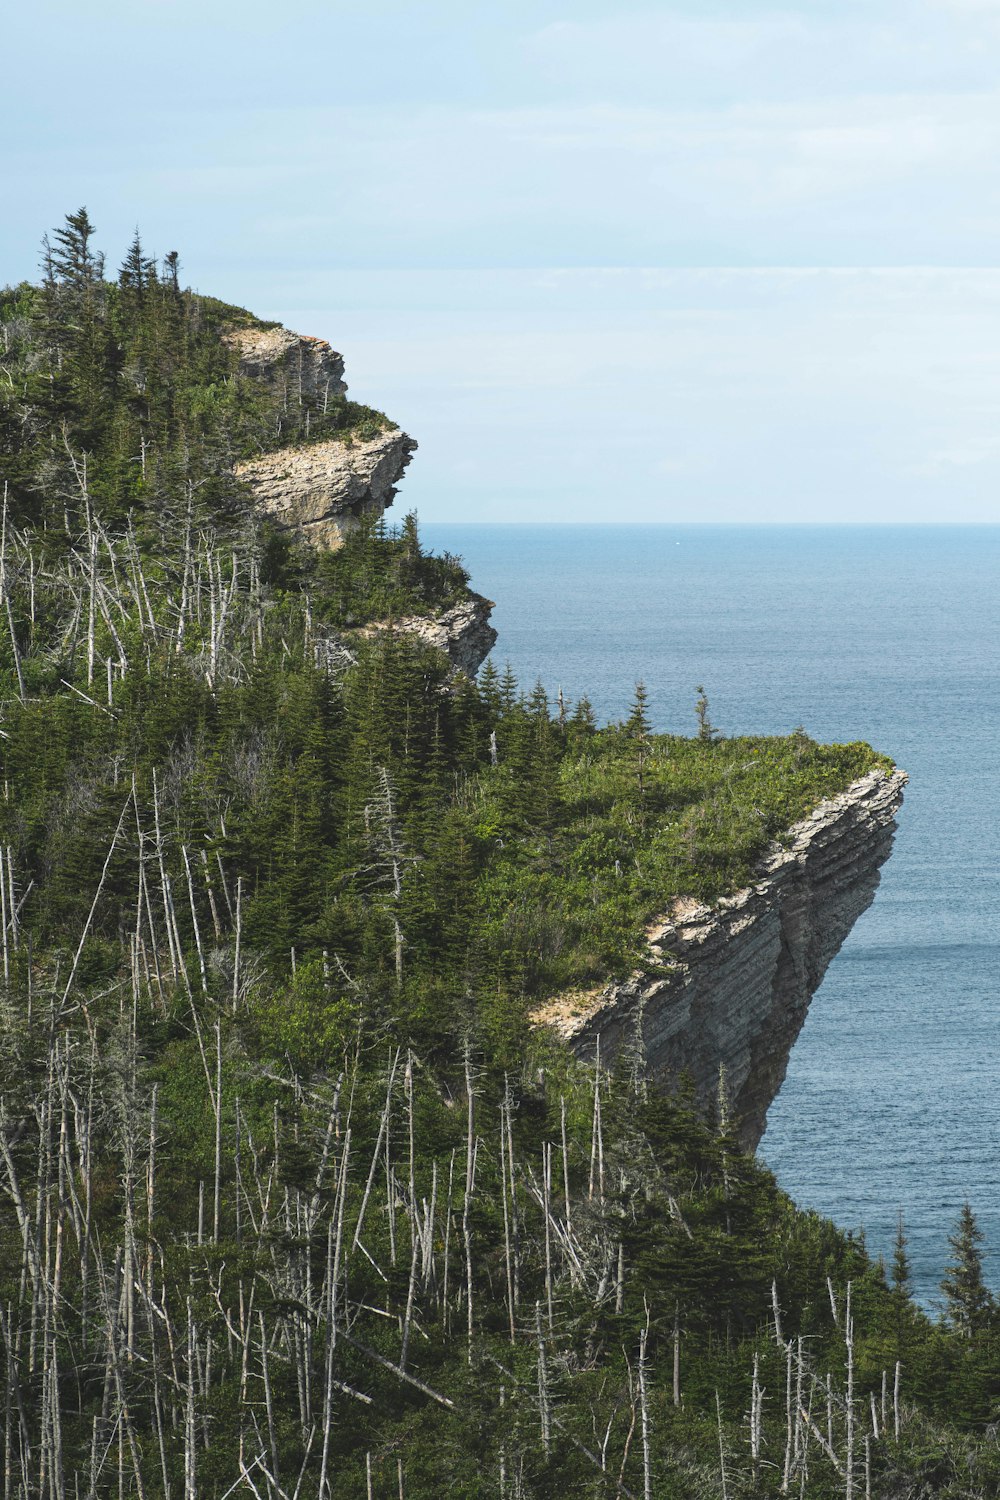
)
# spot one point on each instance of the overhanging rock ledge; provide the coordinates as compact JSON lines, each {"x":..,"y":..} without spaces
{"x":737,"y":976}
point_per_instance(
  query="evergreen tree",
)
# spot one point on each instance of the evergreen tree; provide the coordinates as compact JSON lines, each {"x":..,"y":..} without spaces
{"x":583,"y":722}
{"x":638,"y":727}
{"x":968,"y":1301}
{"x":901,"y":1270}
{"x":74,"y":263}
{"x":706,"y":729}
{"x":902,"y":1288}
{"x":508,"y":690}
{"x":137,"y":270}
{"x":637,"y":723}
{"x":489,"y":689}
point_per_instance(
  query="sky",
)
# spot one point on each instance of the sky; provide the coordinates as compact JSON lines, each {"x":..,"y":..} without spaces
{"x":691,"y":261}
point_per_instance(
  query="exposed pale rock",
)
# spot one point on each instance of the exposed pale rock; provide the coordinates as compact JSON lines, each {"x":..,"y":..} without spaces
{"x":307,"y":364}
{"x":737,"y":976}
{"x":463,"y":633}
{"x":324,"y":489}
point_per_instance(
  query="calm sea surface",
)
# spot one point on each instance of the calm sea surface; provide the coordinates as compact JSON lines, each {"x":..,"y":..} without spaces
{"x":890,"y":634}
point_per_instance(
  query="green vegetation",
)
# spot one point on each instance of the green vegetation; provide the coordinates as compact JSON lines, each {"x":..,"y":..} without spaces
{"x":293,"y":1202}
{"x":136,"y":375}
{"x":377,"y":574}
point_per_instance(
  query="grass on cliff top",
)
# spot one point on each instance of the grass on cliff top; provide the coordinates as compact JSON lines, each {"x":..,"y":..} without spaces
{"x":589,"y":834}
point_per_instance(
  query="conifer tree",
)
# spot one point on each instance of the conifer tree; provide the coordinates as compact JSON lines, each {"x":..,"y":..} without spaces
{"x":508,"y":689}
{"x":901,"y":1282}
{"x":637,"y":723}
{"x":137,"y":270}
{"x":583,"y":722}
{"x":901,"y":1269}
{"x":706,"y":729}
{"x":489,"y":689}
{"x":639,"y":728}
{"x":968,"y":1301}
{"x":74,"y":264}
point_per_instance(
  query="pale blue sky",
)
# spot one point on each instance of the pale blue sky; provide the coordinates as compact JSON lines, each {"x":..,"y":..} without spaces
{"x":685,"y":261}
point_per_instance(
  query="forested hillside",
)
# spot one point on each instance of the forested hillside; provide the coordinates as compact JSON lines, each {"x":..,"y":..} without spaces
{"x":293,"y":1199}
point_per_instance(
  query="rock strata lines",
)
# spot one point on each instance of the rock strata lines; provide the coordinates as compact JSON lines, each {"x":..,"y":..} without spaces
{"x":736,"y":977}
{"x":324,"y":489}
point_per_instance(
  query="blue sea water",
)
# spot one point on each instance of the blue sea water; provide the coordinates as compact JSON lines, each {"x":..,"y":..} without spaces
{"x":890,"y":634}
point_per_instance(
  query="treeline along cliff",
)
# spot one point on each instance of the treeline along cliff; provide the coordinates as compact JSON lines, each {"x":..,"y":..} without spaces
{"x":301,"y":1192}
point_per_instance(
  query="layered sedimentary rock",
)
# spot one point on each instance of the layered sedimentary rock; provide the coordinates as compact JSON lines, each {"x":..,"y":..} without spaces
{"x":324,"y":489}
{"x":733,"y":980}
{"x":463,"y":633}
{"x":311,"y":369}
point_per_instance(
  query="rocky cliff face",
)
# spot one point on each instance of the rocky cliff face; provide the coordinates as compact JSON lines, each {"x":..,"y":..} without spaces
{"x":736,"y":977}
{"x":308,"y":365}
{"x":324,"y":489}
{"x":463,"y":633}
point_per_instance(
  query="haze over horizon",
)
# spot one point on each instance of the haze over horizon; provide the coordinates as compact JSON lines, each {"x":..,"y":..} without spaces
{"x":687,"y":262}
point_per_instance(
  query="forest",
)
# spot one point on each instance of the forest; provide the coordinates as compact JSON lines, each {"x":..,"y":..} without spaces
{"x":295,"y":1200}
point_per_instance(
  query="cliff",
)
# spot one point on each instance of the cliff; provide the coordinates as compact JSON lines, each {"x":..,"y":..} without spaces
{"x":324,"y":489}
{"x":729,"y":984}
{"x":463,"y":633}
{"x":308,"y":366}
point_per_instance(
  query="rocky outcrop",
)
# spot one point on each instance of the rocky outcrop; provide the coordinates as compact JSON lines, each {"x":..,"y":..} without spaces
{"x":321,"y":489}
{"x":324,"y":489}
{"x":463,"y":633}
{"x":311,"y":369}
{"x":732,"y":981}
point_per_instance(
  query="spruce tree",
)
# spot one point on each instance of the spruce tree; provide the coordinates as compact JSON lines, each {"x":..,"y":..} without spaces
{"x":968,"y":1301}
{"x":171,"y":271}
{"x":73,"y":261}
{"x":583,"y":723}
{"x":489,"y":690}
{"x":637,"y":723}
{"x":137,"y":270}
{"x":706,"y":729}
{"x":901,"y":1270}
{"x":639,"y":728}
{"x":902,"y":1285}
{"x":508,"y":690}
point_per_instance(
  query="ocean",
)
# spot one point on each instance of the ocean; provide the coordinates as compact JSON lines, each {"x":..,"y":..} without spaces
{"x":884,"y":633}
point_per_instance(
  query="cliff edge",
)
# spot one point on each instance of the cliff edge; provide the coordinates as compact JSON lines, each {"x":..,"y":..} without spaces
{"x":729,"y":984}
{"x":323,"y":489}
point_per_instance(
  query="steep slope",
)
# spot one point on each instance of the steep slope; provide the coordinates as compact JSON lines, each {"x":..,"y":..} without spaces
{"x":732,"y":981}
{"x":293,"y":1200}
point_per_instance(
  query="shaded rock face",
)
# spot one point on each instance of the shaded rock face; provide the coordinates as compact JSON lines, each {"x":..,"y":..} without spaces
{"x":324,"y":489}
{"x":738,"y":976}
{"x":463,"y":633}
{"x":308,"y":364}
